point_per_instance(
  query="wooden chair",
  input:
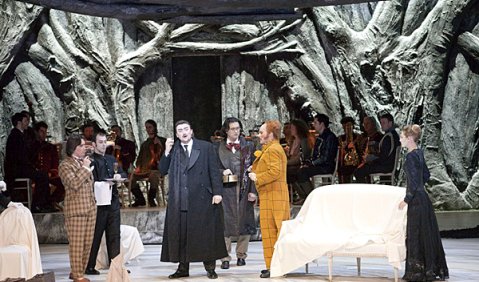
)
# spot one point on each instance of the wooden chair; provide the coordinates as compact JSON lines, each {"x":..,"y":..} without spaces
{"x":327,"y":179}
{"x":23,"y":184}
{"x":145,"y":188}
{"x":387,"y":178}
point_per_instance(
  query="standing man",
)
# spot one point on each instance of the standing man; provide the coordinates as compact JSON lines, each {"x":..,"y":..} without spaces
{"x":194,"y":221}
{"x":124,"y":150}
{"x":147,"y":165}
{"x":239,"y":195}
{"x":387,"y":151}
{"x":80,"y":207}
{"x":107,"y":216}
{"x":18,"y":165}
{"x":46,"y":159}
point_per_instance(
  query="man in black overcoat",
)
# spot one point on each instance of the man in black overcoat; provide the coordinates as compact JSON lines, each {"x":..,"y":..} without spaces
{"x":194,"y":217}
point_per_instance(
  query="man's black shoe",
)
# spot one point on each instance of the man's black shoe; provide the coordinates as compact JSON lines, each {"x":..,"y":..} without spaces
{"x":211,"y":274}
{"x":225,"y":265}
{"x":92,"y":271}
{"x":265,"y":273}
{"x":138,"y":204}
{"x":179,"y":274}
{"x":241,"y":262}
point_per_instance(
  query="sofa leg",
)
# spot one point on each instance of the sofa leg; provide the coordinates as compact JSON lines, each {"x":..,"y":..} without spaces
{"x":307,"y":268}
{"x":330,"y":267}
{"x":395,"y":274}
{"x":358,"y":263}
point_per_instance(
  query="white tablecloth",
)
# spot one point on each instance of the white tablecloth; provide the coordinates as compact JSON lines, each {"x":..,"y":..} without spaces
{"x":131,"y":246}
{"x":343,"y":216}
{"x":19,"y":251}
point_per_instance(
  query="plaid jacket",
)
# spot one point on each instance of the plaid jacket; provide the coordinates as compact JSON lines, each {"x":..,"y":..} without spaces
{"x":78,"y":182}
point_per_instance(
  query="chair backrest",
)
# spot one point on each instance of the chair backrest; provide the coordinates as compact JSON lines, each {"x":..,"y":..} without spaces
{"x":331,"y":176}
{"x":335,"y":172}
{"x":396,"y":163}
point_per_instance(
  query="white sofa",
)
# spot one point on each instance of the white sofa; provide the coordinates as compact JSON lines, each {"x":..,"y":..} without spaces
{"x":360,"y":220}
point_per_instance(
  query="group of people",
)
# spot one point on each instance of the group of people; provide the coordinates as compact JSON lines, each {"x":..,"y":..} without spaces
{"x":358,"y":155}
{"x":213,"y":188}
{"x":212,"y":191}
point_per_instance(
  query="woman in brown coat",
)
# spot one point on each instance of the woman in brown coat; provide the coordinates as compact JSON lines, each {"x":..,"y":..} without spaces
{"x":269,"y":175}
{"x":80,"y":205}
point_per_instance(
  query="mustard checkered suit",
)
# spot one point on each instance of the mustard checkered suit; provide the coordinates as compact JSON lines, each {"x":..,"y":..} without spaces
{"x":79,"y":211}
{"x":270,"y":169}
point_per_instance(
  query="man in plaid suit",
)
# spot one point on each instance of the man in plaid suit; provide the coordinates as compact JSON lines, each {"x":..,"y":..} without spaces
{"x":80,"y":205}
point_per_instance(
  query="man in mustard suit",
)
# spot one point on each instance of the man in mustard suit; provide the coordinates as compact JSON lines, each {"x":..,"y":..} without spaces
{"x":269,"y":175}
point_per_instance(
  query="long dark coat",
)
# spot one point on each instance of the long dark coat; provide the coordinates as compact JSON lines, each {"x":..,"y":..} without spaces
{"x":205,"y":241}
{"x":238,"y":211}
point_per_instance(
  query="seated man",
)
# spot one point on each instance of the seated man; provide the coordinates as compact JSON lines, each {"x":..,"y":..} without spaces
{"x":46,"y":159}
{"x":349,"y":151}
{"x":324,"y":154}
{"x":88,"y":130}
{"x":18,"y":165}
{"x":387,"y":151}
{"x":147,"y":165}
{"x":124,"y":150}
{"x":369,"y":141}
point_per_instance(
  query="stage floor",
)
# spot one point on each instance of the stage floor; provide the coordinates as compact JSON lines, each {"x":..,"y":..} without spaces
{"x":462,"y":257}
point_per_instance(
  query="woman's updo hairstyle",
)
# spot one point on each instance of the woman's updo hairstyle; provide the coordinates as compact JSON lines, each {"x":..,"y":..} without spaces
{"x":413,"y":130}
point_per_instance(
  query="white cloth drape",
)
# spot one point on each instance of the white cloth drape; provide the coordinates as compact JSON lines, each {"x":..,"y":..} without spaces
{"x":131,"y":246}
{"x":19,"y":251}
{"x":342,"y":217}
{"x":117,"y":272}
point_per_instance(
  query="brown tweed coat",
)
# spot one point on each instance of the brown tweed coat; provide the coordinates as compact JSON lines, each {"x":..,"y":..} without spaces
{"x":79,"y":211}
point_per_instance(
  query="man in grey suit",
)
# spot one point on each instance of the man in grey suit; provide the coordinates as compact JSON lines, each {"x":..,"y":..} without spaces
{"x":194,"y":220}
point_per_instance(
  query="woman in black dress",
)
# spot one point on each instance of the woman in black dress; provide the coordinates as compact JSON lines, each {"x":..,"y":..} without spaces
{"x":425,"y":259}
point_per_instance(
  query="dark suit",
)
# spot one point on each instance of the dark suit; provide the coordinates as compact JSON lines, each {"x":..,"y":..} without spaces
{"x":385,"y":160}
{"x":4,"y":200}
{"x":127,"y":152}
{"x":17,"y":164}
{"x":193,"y":225}
{"x":108,"y":216}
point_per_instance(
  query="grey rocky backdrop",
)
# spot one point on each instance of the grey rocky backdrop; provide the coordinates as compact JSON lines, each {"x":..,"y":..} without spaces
{"x":417,"y":59}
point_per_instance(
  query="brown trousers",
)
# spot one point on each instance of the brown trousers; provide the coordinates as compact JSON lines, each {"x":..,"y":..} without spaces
{"x":80,"y":231}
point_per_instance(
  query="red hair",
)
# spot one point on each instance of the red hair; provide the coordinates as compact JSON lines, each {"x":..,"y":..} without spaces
{"x":273,"y":126}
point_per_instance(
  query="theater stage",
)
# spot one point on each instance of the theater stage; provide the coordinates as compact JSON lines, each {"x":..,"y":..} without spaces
{"x":462,"y":256}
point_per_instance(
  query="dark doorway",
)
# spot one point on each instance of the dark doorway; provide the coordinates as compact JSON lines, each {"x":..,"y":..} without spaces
{"x":197,"y":93}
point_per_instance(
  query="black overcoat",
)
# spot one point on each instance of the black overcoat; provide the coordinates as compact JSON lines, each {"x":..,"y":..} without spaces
{"x":205,"y":235}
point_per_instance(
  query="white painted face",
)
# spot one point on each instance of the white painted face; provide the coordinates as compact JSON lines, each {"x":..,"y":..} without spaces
{"x":264,"y":135}
{"x":234,"y":131}
{"x":100,"y":144}
{"x":184,"y":133}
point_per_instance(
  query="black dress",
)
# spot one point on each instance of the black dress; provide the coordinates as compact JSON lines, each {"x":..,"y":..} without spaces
{"x":425,"y":259}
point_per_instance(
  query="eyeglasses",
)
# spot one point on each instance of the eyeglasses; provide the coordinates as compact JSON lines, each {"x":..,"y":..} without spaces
{"x":235,"y":129}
